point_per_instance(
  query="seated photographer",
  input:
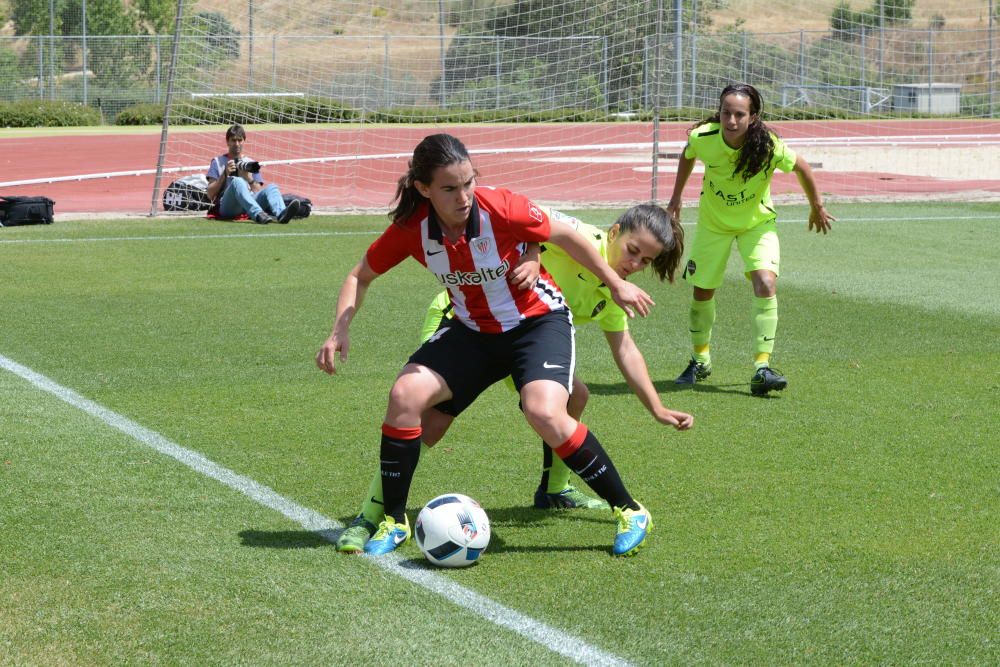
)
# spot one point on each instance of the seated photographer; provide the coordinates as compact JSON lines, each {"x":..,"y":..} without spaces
{"x":235,"y":186}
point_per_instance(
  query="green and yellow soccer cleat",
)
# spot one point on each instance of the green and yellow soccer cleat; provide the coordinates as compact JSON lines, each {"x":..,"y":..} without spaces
{"x":568,"y":498}
{"x":353,"y":538}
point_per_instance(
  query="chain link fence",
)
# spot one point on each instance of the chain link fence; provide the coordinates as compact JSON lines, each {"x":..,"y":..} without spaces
{"x":853,"y":73}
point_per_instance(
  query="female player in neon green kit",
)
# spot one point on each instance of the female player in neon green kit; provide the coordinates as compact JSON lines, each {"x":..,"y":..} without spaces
{"x":740,"y":154}
{"x":643,"y":236}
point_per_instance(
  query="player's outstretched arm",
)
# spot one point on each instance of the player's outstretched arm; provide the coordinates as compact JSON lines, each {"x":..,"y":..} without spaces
{"x":819,"y":219}
{"x":352,"y":293}
{"x":633,"y":368}
{"x":685,"y":166}
{"x":632,"y":299}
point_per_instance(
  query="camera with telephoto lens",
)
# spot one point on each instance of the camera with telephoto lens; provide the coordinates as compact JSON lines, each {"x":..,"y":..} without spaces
{"x":247,"y":165}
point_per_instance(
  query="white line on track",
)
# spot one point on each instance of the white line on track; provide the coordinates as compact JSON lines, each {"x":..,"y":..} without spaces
{"x":545,"y":635}
{"x":852,"y":141}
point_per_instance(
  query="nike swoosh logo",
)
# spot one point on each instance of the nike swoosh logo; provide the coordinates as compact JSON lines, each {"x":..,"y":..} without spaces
{"x":695,"y":330}
{"x":546,"y":364}
{"x":399,"y":537}
{"x":580,"y":276}
{"x":766,"y":338}
{"x":436,"y":252}
{"x":641,"y":523}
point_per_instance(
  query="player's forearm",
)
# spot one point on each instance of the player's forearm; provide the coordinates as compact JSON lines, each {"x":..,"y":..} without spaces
{"x":684,"y":168}
{"x":352,"y":294}
{"x":633,"y":368}
{"x":803,"y":172}
{"x":577,"y":247}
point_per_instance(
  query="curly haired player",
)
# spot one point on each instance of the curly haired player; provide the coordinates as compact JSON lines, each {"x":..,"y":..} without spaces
{"x":740,"y":154}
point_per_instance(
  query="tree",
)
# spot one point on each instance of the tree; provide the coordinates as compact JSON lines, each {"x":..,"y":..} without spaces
{"x":104,"y":17}
{"x":619,"y":33}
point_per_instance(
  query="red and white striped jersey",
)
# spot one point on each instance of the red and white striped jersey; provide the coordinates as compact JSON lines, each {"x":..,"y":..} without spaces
{"x":475,"y":268}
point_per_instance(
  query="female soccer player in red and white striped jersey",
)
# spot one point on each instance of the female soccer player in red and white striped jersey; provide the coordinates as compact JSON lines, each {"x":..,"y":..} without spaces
{"x":470,"y":238}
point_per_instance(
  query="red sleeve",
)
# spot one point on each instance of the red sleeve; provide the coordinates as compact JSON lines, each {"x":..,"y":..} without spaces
{"x":396,"y":244}
{"x":528,"y":222}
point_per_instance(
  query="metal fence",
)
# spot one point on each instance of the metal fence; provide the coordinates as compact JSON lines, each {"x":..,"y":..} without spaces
{"x":820,"y":68}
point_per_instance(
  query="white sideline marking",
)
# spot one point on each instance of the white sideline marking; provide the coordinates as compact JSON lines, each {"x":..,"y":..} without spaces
{"x":195,"y":237}
{"x":545,"y":635}
{"x":188,"y":237}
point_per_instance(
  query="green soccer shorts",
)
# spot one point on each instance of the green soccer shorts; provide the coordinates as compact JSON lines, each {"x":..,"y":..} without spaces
{"x":706,"y":265}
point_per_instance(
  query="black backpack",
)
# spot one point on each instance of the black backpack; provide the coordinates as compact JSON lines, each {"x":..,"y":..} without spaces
{"x":187,"y":194}
{"x":305,"y":204}
{"x":25,"y":211}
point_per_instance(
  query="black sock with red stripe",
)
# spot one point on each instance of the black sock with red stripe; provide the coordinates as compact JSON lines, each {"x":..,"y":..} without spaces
{"x":585,"y":456}
{"x":399,"y":454}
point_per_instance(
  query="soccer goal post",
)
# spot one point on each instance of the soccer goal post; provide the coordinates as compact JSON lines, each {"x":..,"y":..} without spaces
{"x":578,"y":103}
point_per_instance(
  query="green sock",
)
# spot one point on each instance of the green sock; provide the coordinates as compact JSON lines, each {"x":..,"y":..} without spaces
{"x":701,"y":317}
{"x":558,"y":475}
{"x":765,"y":325}
{"x":373,"y":508}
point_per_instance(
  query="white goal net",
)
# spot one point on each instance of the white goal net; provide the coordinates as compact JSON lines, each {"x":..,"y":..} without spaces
{"x":585,"y":102}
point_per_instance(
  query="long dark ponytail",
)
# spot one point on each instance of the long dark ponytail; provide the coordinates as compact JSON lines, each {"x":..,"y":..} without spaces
{"x":758,"y":149}
{"x":661,"y":225}
{"x":436,"y":150}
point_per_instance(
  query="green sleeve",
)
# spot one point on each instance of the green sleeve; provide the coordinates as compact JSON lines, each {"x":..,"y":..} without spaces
{"x":784,"y":157}
{"x":439,"y":309}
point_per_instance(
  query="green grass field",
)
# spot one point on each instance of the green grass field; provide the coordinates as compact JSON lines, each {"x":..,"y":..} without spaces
{"x":852,"y":519}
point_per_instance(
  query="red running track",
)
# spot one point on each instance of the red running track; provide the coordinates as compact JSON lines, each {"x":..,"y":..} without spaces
{"x":546,"y":172}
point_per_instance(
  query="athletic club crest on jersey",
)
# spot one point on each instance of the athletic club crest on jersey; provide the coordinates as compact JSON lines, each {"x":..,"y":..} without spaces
{"x":535,"y":213}
{"x":482,"y":245}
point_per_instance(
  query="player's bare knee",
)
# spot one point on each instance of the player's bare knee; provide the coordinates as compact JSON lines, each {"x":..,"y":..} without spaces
{"x":541,"y":415}
{"x":410,"y":394}
{"x":764,"y":284}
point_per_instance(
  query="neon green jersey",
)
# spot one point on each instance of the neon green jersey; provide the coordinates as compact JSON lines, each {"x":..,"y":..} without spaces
{"x":587,"y":297}
{"x":728,"y":203}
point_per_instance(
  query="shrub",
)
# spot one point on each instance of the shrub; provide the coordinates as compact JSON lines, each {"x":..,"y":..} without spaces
{"x":140,"y":114}
{"x":44,"y":113}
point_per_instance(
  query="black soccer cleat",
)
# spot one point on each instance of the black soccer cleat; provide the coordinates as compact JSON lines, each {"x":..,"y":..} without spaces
{"x":263,"y":218}
{"x":767,"y":379}
{"x":695,"y":371}
{"x":290,"y":211}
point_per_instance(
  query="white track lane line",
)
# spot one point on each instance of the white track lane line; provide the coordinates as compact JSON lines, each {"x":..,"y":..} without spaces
{"x":545,"y":635}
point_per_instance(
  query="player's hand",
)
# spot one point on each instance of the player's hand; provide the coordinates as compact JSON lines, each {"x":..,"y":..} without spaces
{"x":525,"y":274}
{"x":632,"y":299}
{"x":674,"y":210}
{"x":326,"y":357}
{"x":681,"y":421}
{"x":819,"y":219}
{"x":231,"y":167}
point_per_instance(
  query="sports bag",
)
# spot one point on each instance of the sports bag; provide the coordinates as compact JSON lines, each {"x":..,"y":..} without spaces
{"x":187,"y":194}
{"x":305,"y":204}
{"x":25,"y":211}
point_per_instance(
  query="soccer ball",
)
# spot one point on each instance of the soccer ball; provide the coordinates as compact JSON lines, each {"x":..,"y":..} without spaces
{"x":452,"y":530}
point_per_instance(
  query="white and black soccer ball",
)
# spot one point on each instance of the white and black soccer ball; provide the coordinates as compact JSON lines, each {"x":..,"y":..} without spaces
{"x":452,"y":530}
